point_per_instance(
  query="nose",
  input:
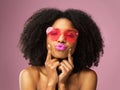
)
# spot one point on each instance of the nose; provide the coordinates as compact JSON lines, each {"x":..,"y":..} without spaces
{"x":61,"y":39}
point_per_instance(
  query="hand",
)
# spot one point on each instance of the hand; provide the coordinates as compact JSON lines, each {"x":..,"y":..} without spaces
{"x":66,"y":67}
{"x":51,"y":65}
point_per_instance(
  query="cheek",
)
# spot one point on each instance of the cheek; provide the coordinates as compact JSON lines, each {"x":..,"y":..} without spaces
{"x":50,"y":42}
{"x":73,"y":48}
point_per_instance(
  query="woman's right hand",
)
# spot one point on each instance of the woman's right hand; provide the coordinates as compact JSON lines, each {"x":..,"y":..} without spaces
{"x":51,"y":67}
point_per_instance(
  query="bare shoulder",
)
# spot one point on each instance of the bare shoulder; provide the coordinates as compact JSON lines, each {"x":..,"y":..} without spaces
{"x":88,"y":79}
{"x":28,"y":77}
{"x":29,"y":72}
{"x":88,"y":73}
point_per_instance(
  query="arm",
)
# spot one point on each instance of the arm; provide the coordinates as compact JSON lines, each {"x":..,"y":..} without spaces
{"x":51,"y":68}
{"x":89,"y":81}
{"x":26,"y":81}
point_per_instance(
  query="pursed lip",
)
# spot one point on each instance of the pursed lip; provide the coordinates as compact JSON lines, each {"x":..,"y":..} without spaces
{"x":60,"y":47}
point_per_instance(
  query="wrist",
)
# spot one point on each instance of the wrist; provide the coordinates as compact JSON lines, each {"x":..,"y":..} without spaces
{"x":50,"y":86}
{"x":62,"y":86}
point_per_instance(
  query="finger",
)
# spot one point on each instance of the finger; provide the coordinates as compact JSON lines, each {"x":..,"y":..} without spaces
{"x":55,"y":65}
{"x":49,"y":53}
{"x":66,"y":67}
{"x":52,"y":64}
{"x":62,"y":69}
{"x":66,"y":64}
{"x":53,"y":60}
{"x":70,"y":58}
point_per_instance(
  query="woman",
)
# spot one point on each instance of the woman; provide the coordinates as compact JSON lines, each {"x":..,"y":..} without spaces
{"x":61,"y":47}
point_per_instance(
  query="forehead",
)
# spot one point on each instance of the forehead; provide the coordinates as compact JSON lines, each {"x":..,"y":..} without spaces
{"x":63,"y":24}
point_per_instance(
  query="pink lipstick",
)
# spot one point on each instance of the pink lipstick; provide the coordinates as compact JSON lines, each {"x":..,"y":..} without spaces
{"x":60,"y":47}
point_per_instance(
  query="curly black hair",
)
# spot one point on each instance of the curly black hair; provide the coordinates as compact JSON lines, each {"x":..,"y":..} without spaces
{"x":89,"y":44}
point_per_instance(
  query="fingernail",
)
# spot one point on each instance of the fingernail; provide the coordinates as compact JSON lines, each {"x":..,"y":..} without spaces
{"x":48,"y":46}
{"x":70,"y":50}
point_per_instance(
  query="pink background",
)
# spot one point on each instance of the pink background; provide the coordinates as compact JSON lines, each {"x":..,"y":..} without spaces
{"x":13,"y":14}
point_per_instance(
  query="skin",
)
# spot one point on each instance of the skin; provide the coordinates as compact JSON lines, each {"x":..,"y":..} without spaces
{"x":63,"y":25}
{"x":46,"y":77}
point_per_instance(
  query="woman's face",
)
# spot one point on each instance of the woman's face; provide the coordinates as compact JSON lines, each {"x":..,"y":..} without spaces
{"x":61,"y":37}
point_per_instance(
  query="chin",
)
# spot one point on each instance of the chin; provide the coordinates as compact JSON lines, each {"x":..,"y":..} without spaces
{"x":60,"y":55}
